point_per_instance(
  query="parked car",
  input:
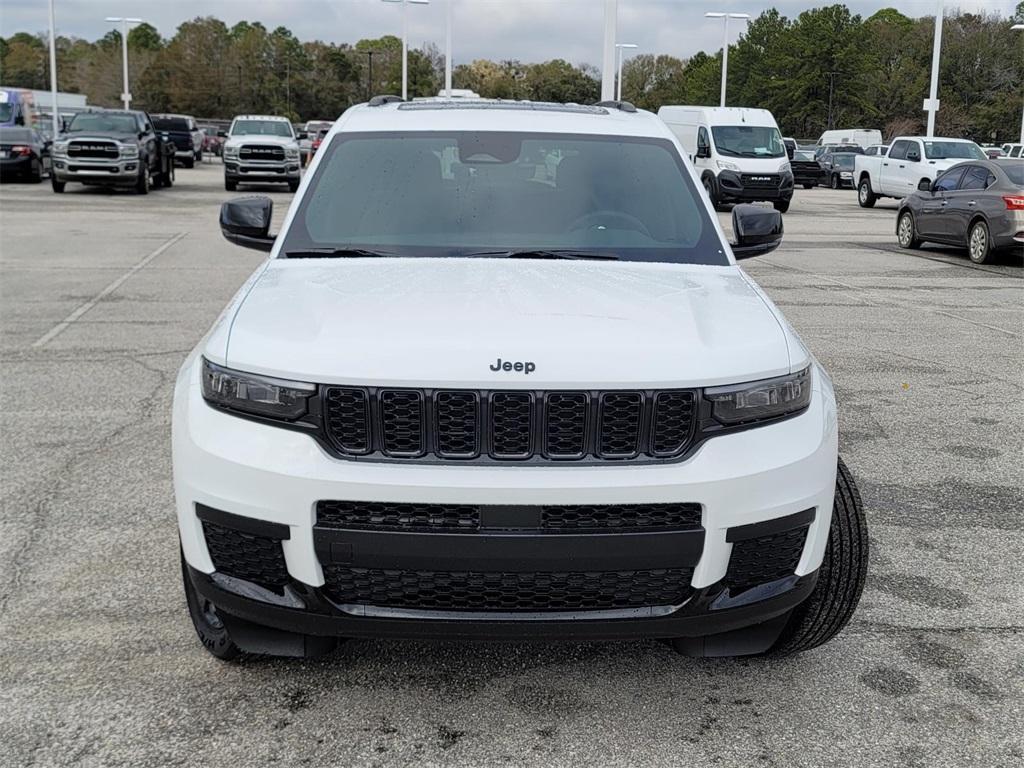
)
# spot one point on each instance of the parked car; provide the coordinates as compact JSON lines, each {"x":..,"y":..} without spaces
{"x":737,"y":152}
{"x":790,"y":146}
{"x":861,"y":137}
{"x":911,"y":160}
{"x":17,"y":109}
{"x":340,"y":473}
{"x":185,"y":134}
{"x":24,"y":154}
{"x":212,"y":142}
{"x":978,"y":204}
{"x":837,"y":169}
{"x":261,"y":149}
{"x":1014,"y":150}
{"x":876,"y":149}
{"x":308,"y":135}
{"x":806,"y":170}
{"x":112,"y":148}
{"x":320,"y":136}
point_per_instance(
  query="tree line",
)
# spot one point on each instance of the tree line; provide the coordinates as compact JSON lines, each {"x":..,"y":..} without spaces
{"x":825,"y":68}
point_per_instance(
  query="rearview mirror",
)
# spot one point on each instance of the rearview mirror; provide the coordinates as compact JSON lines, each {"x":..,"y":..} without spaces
{"x":924,"y":185}
{"x":703,"y":150}
{"x":758,"y":230}
{"x":245,"y":221}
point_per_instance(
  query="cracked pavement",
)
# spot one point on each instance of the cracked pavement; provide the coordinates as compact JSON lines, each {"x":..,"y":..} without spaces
{"x":99,"y":665}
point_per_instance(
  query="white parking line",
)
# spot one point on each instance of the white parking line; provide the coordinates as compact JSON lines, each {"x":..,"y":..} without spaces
{"x":60,"y":327}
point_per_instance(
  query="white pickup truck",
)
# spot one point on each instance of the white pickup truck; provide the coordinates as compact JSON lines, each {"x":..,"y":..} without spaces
{"x":910,"y":159}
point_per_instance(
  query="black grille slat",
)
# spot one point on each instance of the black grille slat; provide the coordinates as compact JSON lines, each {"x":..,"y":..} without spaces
{"x":387,"y":516}
{"x":509,"y":425}
{"x":401,"y":422}
{"x":457,"y":424}
{"x":764,"y":560}
{"x":261,"y":152}
{"x":579,"y":517}
{"x":96,"y":149}
{"x":505,"y":591}
{"x":621,"y":424}
{"x":258,"y":559}
{"x":761,"y":179}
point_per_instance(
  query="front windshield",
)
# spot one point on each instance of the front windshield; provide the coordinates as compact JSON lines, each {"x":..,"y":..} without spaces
{"x":262,"y":128}
{"x":87,"y":122}
{"x":470,"y":193}
{"x":748,"y":141}
{"x":953,"y":150}
{"x":803,"y":157}
{"x":844,"y":160}
{"x":178,"y":124}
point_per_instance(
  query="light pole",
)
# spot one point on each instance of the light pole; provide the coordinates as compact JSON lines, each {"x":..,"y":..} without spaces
{"x":126,"y":97}
{"x":618,"y":50}
{"x":611,"y":20}
{"x":1020,"y":28}
{"x":405,"y":42}
{"x":725,"y":42}
{"x":369,"y":74}
{"x":448,"y":48}
{"x":53,"y":73}
{"x":931,"y":104}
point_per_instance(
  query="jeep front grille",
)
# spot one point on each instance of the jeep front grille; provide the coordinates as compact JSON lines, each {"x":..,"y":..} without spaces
{"x":519,"y":425}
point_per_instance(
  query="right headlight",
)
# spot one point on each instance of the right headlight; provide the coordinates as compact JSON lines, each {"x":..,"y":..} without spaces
{"x":760,"y":400}
{"x":255,"y":394}
{"x":60,"y":148}
{"x":130,"y":151}
{"x":725,"y":165}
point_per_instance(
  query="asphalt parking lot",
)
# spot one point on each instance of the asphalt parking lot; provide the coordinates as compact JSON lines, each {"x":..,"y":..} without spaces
{"x":101,"y":297}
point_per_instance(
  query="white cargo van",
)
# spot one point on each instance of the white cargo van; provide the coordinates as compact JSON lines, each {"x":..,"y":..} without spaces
{"x":861,"y":137}
{"x":737,"y":151}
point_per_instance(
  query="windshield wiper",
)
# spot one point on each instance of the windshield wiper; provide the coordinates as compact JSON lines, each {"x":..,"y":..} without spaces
{"x":336,"y":253}
{"x":547,"y":253}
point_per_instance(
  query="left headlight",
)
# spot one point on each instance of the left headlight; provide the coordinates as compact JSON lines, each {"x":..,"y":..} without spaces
{"x":292,"y":153}
{"x":255,"y":394}
{"x":129,"y":150}
{"x":760,"y":400}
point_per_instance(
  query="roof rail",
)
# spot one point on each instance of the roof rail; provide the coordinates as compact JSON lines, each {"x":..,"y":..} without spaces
{"x":380,"y":101}
{"x":622,"y":106}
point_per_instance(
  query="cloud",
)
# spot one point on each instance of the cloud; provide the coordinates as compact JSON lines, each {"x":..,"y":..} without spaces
{"x":530,"y":30}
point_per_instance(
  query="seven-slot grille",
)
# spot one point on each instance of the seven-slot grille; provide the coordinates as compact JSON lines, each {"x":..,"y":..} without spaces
{"x":509,"y":425}
{"x":103,"y":150}
{"x":261,"y":152}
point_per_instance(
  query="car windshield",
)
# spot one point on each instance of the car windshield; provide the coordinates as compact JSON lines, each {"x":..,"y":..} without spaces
{"x":499,"y":194}
{"x":748,"y":141}
{"x":953,"y":150}
{"x":262,"y":128}
{"x":15,"y":136}
{"x":1015,"y":171}
{"x":170,"y":123}
{"x":844,"y":160}
{"x":803,"y":157}
{"x":87,"y":122}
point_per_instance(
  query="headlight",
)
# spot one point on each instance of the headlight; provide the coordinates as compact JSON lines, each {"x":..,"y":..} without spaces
{"x":60,"y":148}
{"x":760,"y":400}
{"x":129,"y":150}
{"x":785,"y":168}
{"x":258,"y":395}
{"x":292,"y":153}
{"x":725,"y":165}
{"x":230,"y":151}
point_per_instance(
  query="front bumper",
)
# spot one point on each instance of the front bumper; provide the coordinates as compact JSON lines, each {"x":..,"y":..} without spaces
{"x":738,"y":187}
{"x":261,"y":171}
{"x":93,"y":170}
{"x":267,"y":481}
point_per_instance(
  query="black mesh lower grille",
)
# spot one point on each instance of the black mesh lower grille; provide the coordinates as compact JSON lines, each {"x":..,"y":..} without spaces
{"x":576,"y":517}
{"x":763,"y":560}
{"x":254,"y":558}
{"x":502,"y":591}
{"x":384,"y":516}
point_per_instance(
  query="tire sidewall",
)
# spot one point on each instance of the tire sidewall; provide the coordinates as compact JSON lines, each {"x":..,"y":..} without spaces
{"x":987,"y":254}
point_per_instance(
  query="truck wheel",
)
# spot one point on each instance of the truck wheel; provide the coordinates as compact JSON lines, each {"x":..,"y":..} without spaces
{"x":905,"y":233}
{"x":142,"y":184}
{"x":209,"y":628}
{"x":833,"y":181}
{"x":293,"y":186}
{"x":781,"y":205}
{"x":865,"y":196}
{"x":189,"y":162}
{"x":979,"y":244}
{"x":840,"y":579}
{"x":709,"y":188}
{"x":58,"y":186}
{"x":230,"y":186}
{"x":808,"y":186}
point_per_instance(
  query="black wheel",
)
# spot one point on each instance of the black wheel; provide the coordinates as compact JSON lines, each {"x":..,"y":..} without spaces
{"x":906,"y":233}
{"x":230,"y":186}
{"x":142,"y":183}
{"x":169,"y":177}
{"x":781,"y":205}
{"x":58,"y":186}
{"x":293,"y":186}
{"x":709,"y":188}
{"x":840,"y":579}
{"x":209,"y":628}
{"x":979,"y":244}
{"x":865,"y":196}
{"x":189,"y":163}
{"x":35,"y":171}
{"x":834,"y":182}
{"x":808,"y":186}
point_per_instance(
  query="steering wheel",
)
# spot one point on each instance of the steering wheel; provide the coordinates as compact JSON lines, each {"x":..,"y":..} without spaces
{"x":600,"y":219}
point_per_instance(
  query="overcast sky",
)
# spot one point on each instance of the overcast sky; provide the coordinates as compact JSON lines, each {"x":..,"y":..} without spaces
{"x":530,"y":30}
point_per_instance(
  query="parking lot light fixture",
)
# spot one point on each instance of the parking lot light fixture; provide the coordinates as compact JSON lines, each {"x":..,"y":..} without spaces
{"x":618,"y":49}
{"x":931,"y":105}
{"x":405,"y":41}
{"x":1020,"y":28}
{"x":55,"y":114}
{"x":725,"y":42}
{"x":126,"y":97}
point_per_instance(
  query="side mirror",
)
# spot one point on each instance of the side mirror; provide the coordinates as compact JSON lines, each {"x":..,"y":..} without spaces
{"x":302,"y":135}
{"x":913,"y":156}
{"x":924,"y":185}
{"x":222,"y":134}
{"x":789,"y":152}
{"x":703,"y":150}
{"x":758,"y":230}
{"x":245,"y":221}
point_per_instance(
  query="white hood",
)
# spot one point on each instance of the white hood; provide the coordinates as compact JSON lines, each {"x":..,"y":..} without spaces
{"x":445,"y":322}
{"x":280,"y":141}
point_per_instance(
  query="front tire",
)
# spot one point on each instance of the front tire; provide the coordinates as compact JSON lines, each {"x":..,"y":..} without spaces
{"x":142,"y":184}
{"x":209,"y":628}
{"x":781,"y":205}
{"x":840,"y":579}
{"x":709,"y":188}
{"x":35,"y":172}
{"x":979,"y":243}
{"x":230,"y":186}
{"x":833,"y":181}
{"x":189,"y":163}
{"x":808,"y":186}
{"x":293,"y":186}
{"x":905,"y":231}
{"x":865,"y":196}
{"x":58,"y":186}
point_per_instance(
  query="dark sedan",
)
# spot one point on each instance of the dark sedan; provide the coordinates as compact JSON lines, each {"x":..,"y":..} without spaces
{"x":837,"y":169}
{"x":24,"y":154}
{"x":806,"y":170}
{"x":978,"y":204}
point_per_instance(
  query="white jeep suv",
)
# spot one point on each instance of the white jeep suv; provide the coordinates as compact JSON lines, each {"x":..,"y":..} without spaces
{"x":502,"y":377}
{"x":261,"y":149}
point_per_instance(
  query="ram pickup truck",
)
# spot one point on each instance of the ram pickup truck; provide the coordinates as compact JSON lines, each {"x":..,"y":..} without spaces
{"x":261,"y":149}
{"x":911,"y":160}
{"x":112,"y":148}
{"x":186,"y":136}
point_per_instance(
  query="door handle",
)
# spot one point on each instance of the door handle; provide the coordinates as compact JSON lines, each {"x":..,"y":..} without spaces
{"x":972,"y":203}
{"x":886,"y":165}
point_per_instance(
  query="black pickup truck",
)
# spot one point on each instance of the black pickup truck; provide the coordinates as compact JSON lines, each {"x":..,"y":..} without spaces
{"x":112,"y":148}
{"x":185,"y":134}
